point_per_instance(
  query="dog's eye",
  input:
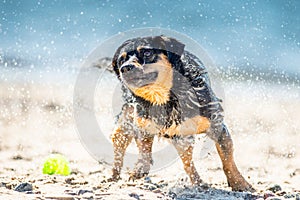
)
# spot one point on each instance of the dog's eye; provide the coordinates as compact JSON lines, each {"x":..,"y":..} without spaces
{"x":147,"y":53}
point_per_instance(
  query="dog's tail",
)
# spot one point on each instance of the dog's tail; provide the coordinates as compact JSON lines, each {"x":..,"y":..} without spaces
{"x":104,"y":63}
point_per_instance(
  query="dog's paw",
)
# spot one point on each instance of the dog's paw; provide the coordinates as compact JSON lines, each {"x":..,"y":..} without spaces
{"x":241,"y":186}
{"x":137,"y":175}
{"x":111,"y":179}
{"x":197,"y":182}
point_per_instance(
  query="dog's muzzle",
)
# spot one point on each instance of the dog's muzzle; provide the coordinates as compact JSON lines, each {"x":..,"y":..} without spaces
{"x":126,"y":68}
{"x":135,"y":76}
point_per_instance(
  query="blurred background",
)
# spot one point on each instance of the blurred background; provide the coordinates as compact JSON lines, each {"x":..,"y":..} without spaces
{"x":255,"y":36}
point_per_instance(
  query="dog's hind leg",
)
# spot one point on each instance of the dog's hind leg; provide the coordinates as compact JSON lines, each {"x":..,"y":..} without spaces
{"x":142,"y":167}
{"x":225,"y":149}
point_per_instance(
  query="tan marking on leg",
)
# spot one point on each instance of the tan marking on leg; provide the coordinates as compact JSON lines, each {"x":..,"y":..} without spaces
{"x":235,"y":180}
{"x":120,"y":141}
{"x":186,"y":155}
{"x":195,"y":125}
{"x":202,"y":124}
{"x":144,"y":162}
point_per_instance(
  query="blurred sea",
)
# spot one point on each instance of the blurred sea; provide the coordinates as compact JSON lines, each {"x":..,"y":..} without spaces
{"x":48,"y":40}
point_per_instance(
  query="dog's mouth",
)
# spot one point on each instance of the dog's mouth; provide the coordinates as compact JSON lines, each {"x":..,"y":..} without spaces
{"x":136,"y":78}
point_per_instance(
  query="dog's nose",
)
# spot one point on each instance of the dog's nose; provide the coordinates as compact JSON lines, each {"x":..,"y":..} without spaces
{"x":126,"y":68}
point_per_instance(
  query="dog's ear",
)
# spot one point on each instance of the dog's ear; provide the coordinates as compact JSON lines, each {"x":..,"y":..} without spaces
{"x":174,"y":48}
{"x":172,"y":45}
{"x":114,"y":62}
{"x":115,"y":65}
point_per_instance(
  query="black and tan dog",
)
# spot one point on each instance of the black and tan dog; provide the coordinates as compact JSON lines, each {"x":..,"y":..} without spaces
{"x":168,"y":94}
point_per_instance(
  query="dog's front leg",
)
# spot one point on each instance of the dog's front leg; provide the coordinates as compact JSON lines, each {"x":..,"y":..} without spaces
{"x":144,"y":162}
{"x":120,"y":140}
{"x":184,"y":147}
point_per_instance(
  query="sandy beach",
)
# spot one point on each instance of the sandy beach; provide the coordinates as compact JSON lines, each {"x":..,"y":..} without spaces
{"x":37,"y":120}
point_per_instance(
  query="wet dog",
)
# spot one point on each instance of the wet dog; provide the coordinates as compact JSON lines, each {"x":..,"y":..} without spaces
{"x":167,"y":94}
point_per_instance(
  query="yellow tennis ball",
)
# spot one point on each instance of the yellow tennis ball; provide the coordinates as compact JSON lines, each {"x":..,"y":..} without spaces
{"x":56,"y":164}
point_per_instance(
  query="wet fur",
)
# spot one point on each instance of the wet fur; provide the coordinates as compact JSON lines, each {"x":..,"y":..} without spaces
{"x":176,"y":105}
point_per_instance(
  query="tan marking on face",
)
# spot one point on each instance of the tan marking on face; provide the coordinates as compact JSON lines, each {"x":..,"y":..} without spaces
{"x":158,"y":93}
{"x":166,"y":39}
{"x":123,"y":55}
{"x":133,"y":60}
{"x":139,"y":48}
{"x":195,"y":125}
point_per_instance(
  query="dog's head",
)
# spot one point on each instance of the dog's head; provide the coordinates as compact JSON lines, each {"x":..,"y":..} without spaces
{"x":145,"y":65}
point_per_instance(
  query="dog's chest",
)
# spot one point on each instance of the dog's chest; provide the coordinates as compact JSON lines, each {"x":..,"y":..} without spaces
{"x":156,"y":119}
